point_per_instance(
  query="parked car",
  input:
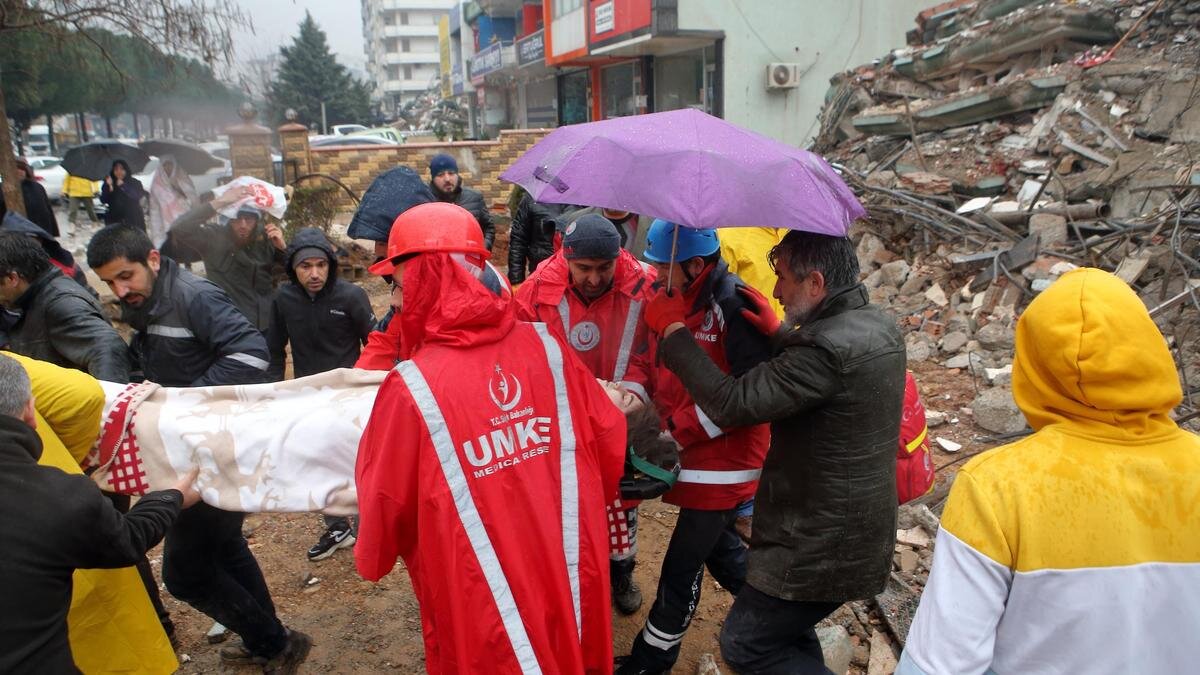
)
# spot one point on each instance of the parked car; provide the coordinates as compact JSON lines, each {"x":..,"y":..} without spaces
{"x":48,"y":172}
{"x":338,"y":141}
{"x":343,"y":129}
{"x":380,"y":132}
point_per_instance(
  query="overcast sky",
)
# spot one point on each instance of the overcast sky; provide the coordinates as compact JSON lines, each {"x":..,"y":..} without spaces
{"x":276,"y":22}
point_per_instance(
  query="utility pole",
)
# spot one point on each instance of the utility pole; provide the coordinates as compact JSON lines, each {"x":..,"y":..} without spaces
{"x":324,"y":129}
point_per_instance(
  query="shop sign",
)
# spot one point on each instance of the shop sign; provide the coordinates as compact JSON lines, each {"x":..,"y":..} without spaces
{"x":605,"y":17}
{"x":487,"y":61}
{"x":531,"y":49}
{"x":456,"y":79}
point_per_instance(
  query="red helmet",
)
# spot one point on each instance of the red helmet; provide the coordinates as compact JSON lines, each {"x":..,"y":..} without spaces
{"x":426,"y":228}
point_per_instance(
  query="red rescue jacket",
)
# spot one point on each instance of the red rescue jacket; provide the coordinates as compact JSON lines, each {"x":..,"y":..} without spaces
{"x":486,"y":465}
{"x":608,"y":334}
{"x":720,"y":466}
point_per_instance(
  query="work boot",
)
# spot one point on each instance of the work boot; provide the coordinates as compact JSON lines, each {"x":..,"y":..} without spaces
{"x":236,"y":654}
{"x":288,"y":661}
{"x":626,"y":594}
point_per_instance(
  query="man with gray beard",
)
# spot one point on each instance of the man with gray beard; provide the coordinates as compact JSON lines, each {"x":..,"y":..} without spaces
{"x":825,"y":511}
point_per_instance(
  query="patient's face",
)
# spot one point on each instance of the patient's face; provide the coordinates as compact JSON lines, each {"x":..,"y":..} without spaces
{"x":625,"y":400}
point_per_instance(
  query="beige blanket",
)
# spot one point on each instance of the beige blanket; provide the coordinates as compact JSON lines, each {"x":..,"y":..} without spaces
{"x":279,"y":447}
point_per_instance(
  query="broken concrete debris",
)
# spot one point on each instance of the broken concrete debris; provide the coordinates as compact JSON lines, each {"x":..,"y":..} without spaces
{"x":1009,"y":143}
{"x":1001,"y":94}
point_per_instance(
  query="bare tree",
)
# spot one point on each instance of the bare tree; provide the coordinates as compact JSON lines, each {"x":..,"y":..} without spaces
{"x":199,"y":29}
{"x":256,"y":73}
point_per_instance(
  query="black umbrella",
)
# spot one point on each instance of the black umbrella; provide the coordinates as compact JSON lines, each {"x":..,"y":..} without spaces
{"x":194,"y":159}
{"x":94,"y":161}
{"x":391,"y":193}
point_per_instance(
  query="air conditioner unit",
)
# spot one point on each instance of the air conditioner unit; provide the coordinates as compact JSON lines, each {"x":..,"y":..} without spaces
{"x":783,"y":75}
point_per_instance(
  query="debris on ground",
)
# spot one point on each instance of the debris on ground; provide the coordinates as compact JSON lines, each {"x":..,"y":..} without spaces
{"x":1009,"y":142}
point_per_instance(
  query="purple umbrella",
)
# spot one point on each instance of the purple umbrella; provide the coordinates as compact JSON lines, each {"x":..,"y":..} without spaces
{"x":689,"y":168}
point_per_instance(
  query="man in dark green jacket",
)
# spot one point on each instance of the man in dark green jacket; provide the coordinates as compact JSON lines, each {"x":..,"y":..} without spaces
{"x":241,"y":254}
{"x":825,"y":511}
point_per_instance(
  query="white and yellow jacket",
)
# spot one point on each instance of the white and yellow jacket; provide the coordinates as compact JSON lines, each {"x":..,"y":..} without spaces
{"x":1077,"y":549}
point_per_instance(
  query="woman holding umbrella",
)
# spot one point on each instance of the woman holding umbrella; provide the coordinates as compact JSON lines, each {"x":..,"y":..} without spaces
{"x":172,"y":194}
{"x":123,"y":194}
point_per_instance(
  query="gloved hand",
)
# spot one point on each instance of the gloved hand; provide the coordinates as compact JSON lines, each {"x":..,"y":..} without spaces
{"x":664,"y":310}
{"x":762,"y":316}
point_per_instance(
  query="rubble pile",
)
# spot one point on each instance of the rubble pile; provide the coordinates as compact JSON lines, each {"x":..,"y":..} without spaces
{"x":1010,"y":142}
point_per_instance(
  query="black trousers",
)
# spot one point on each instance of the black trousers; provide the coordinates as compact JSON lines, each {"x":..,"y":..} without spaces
{"x":764,"y":635}
{"x":207,"y":564}
{"x":121,"y":504}
{"x":701,"y":539}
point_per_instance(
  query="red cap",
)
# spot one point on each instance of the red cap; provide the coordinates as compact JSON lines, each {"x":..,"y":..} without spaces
{"x":428,"y":228}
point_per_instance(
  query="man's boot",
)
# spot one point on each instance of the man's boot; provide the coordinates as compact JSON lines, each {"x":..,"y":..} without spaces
{"x":626,"y":594}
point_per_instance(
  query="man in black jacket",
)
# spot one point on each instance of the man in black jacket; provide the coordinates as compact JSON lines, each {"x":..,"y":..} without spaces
{"x":531,"y":237}
{"x":327,"y":321}
{"x":68,"y":524}
{"x":189,"y":334}
{"x":240,"y":254}
{"x":825,"y":511}
{"x":51,"y":317}
{"x":447,"y":187}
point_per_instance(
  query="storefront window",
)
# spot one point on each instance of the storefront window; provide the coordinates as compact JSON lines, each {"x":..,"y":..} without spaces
{"x":685,"y":80}
{"x":619,"y":95}
{"x":573,"y":98}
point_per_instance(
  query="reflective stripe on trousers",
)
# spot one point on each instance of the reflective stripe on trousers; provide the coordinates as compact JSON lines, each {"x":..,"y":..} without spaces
{"x":718,"y":477}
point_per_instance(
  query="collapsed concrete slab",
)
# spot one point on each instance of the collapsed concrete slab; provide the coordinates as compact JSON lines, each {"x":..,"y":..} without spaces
{"x":967,"y":108}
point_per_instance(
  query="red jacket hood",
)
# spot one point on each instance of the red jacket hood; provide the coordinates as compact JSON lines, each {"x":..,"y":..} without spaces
{"x":553,"y":278}
{"x":454,"y":308}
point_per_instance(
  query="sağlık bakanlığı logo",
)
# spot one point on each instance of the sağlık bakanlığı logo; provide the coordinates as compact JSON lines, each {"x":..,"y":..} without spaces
{"x":584,"y":336}
{"x":505,"y":389}
{"x":516,"y":435}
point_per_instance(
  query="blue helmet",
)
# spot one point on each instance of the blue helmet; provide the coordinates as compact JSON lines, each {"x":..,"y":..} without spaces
{"x":692,"y":242}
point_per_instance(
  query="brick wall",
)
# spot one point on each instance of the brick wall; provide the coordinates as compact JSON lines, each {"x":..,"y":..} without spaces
{"x":479,"y":162}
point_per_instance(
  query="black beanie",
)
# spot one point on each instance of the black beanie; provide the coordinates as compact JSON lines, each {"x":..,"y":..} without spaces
{"x":591,"y":236}
{"x":442,"y":162}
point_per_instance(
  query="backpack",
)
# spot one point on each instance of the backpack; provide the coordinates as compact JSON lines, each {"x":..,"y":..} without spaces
{"x":914,"y":461}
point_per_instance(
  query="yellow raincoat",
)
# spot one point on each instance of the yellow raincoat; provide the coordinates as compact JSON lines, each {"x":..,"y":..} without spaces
{"x":113,"y":627}
{"x":74,"y":186}
{"x":1077,"y":549}
{"x":745,"y":250}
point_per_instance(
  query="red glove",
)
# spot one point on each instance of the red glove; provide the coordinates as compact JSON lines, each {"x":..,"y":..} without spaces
{"x":762,"y":316}
{"x":664,"y":310}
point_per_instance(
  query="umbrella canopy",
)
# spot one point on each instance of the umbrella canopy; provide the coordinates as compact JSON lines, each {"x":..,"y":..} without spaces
{"x":689,"y":168}
{"x":194,"y":159}
{"x":94,"y":160}
{"x":391,"y":193}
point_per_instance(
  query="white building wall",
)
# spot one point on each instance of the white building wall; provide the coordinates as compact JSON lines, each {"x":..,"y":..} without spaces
{"x":824,"y":36}
{"x":401,"y":42}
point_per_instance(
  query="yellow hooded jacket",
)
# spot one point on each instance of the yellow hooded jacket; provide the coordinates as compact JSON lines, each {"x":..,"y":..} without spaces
{"x":745,"y":250}
{"x":111,"y":623}
{"x":1077,"y":549}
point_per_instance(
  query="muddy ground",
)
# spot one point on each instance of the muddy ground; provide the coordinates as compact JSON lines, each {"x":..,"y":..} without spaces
{"x":361,"y":627}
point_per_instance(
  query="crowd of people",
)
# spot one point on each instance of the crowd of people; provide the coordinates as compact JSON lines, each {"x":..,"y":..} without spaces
{"x":741,"y":375}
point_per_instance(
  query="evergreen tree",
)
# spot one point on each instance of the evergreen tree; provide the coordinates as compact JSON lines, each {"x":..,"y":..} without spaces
{"x":308,"y":75}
